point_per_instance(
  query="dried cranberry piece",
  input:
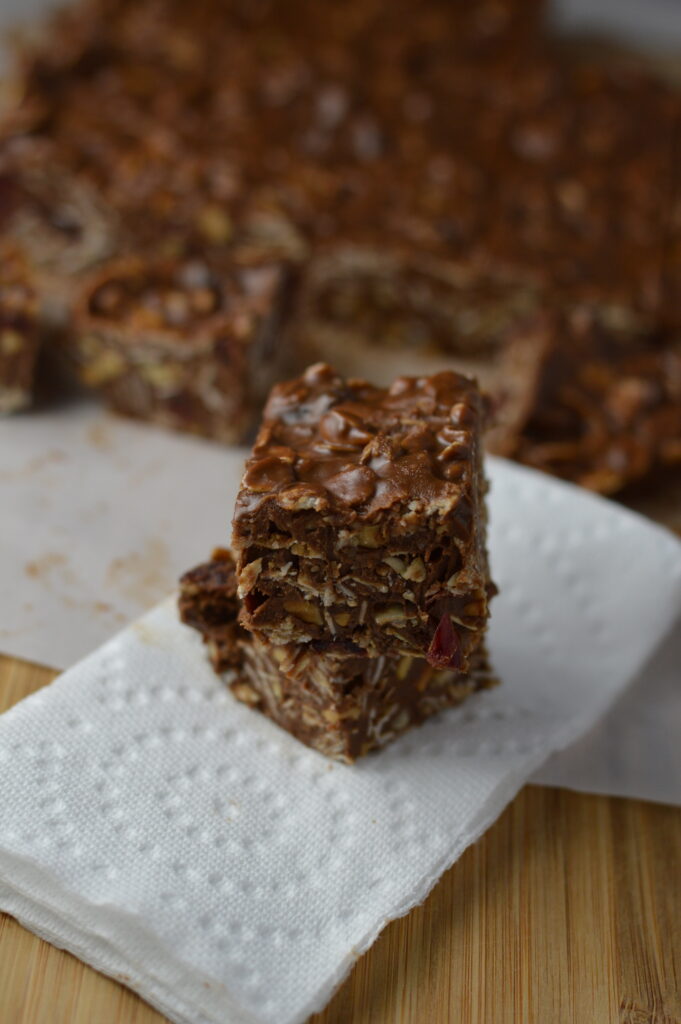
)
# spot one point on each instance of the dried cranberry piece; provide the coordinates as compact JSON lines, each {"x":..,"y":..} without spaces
{"x":445,"y":647}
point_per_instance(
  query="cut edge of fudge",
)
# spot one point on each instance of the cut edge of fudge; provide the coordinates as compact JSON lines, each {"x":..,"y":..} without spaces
{"x":386,"y":696}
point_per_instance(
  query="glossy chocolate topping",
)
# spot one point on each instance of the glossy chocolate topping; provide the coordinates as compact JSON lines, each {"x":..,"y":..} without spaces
{"x":328,"y":443}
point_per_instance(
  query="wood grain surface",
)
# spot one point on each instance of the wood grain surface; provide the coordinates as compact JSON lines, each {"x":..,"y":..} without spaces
{"x":568,"y":911}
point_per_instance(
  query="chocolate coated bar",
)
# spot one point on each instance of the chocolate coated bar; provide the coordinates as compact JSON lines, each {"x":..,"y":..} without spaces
{"x":361,"y":517}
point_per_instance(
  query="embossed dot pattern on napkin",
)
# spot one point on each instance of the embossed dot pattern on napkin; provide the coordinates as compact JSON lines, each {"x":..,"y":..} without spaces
{"x":171,"y":837}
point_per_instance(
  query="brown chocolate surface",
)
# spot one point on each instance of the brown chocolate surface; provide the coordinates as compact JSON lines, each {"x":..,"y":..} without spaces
{"x":361,"y":514}
{"x":343,"y":445}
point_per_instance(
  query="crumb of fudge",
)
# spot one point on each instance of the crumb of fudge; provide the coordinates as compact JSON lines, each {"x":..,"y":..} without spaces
{"x":208,"y":602}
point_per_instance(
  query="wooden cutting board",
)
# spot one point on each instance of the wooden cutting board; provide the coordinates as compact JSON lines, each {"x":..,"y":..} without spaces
{"x":568,"y":911}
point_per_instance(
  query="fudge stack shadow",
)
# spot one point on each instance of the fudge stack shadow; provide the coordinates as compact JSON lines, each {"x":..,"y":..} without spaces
{"x":357,"y":601}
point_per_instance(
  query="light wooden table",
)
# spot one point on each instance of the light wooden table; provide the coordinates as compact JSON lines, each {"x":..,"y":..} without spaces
{"x":568,"y":911}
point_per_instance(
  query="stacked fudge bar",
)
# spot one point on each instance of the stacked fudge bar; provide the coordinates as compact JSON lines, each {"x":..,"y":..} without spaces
{"x":360,"y":517}
{"x":341,"y":704}
{"x":361,"y":584}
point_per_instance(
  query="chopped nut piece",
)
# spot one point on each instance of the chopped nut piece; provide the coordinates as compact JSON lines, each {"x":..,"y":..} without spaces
{"x":416,"y":571}
{"x":401,"y":720}
{"x":303,"y":610}
{"x":249,"y":576}
{"x":245,"y":693}
{"x":105,"y":367}
{"x":369,"y":537}
{"x":393,"y":613}
{"x":475,"y":608}
{"x":300,"y":548}
{"x":215,"y":224}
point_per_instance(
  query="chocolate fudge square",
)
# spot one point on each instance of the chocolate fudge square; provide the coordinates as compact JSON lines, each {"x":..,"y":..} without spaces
{"x":341,"y":703}
{"x":360,"y":519}
{"x":182,"y":344}
{"x":607,"y":408}
{"x":344,"y":705}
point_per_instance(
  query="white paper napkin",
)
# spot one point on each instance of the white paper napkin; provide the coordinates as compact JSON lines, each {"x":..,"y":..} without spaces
{"x":641,"y":24}
{"x":99,"y":517}
{"x":184,"y":844}
{"x":634,"y":751}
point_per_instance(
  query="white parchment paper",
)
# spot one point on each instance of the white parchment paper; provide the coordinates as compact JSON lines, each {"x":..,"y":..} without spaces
{"x":98,"y":518}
